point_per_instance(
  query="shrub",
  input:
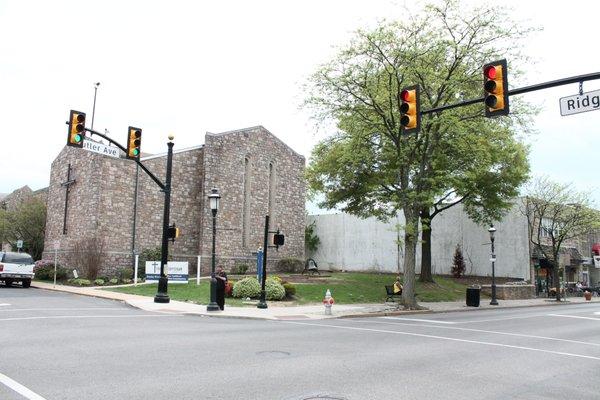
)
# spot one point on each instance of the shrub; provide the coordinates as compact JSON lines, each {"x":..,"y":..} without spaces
{"x":87,"y":257}
{"x":311,"y":240}
{"x":458,"y":264}
{"x":229,"y":287}
{"x":125,"y":274}
{"x":239,"y":269}
{"x":247,"y":287}
{"x":274,"y":290}
{"x":113,"y":281}
{"x":290,"y":289}
{"x":44,"y":270}
{"x":99,"y":282}
{"x":79,"y":282}
{"x":126,"y":280}
{"x":153,"y":254}
{"x":289,"y":265}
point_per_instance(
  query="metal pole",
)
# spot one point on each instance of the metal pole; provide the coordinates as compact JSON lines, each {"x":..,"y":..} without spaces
{"x":263,"y":302}
{"x":135,"y":272}
{"x":198,"y":271}
{"x":55,"y":262}
{"x":494,"y":302}
{"x":94,"y":108}
{"x":162,"y":296}
{"x":213,"y":306}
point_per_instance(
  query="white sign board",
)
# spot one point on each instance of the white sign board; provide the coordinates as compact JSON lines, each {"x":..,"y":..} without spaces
{"x":100,"y":148}
{"x":589,"y":101}
{"x":57,"y":245}
{"x":597,"y":261}
{"x":19,"y":244}
{"x":177,"y":271}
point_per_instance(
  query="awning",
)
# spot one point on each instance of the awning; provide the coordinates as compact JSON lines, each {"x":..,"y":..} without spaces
{"x":573,"y":253}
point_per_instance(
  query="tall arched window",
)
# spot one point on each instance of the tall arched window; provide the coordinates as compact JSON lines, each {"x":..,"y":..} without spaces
{"x":246,"y":204}
{"x":272,"y":191}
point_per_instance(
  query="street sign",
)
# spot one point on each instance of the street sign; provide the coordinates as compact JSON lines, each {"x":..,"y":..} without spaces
{"x":579,"y":103}
{"x":100,"y":148}
{"x":57,"y":245}
{"x":19,"y":244}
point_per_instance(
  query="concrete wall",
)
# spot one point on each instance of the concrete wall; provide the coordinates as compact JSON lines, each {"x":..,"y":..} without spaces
{"x":355,"y":244}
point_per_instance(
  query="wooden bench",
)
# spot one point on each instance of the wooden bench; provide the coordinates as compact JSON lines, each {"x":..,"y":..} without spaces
{"x":389,"y":291}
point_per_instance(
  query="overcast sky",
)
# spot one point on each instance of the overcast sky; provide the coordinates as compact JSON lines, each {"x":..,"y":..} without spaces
{"x":191,"y":67}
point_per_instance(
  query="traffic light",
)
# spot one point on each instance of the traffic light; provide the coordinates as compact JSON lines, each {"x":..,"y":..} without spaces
{"x":173,"y":232}
{"x":278,"y":239}
{"x":76,"y":129}
{"x":410,"y":113}
{"x":134,"y":141}
{"x":495,"y":87}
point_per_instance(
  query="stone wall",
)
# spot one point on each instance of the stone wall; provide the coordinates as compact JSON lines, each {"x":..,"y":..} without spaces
{"x":510,"y":292}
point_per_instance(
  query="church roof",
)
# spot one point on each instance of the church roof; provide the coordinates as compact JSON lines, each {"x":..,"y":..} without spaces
{"x":254,"y":129}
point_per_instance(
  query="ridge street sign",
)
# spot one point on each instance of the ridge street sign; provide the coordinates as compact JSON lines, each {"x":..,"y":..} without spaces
{"x":579,"y":103}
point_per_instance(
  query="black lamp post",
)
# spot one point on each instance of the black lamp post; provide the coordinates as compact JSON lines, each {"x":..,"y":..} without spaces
{"x":213,"y":199}
{"x":494,"y":302}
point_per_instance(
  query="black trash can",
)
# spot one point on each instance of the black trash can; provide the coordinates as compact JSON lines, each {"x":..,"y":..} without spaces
{"x":473,"y":296}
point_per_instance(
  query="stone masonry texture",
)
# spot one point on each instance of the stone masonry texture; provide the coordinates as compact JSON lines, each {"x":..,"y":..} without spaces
{"x":103,"y":199}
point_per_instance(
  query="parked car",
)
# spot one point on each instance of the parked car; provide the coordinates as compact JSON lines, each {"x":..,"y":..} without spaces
{"x":16,"y":267}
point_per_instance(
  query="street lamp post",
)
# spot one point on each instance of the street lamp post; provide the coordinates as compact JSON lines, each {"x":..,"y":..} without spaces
{"x":494,"y":302}
{"x":213,"y":198}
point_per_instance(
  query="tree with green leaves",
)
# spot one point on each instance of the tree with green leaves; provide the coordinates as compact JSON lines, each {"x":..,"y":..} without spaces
{"x":557,"y":213}
{"x":369,"y":167}
{"x":27,"y":222}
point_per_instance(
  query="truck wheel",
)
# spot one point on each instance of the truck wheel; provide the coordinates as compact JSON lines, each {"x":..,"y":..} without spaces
{"x":26,"y":283}
{"x":8,"y":282}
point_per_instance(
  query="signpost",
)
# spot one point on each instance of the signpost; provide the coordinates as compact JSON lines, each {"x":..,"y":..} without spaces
{"x":580,"y":103}
{"x":56,"y":247}
{"x":177,"y":271}
{"x":19,"y":245}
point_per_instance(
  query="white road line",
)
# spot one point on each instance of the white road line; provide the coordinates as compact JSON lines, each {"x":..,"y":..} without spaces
{"x":442,"y":338}
{"x":4,"y":304}
{"x":479,"y":330}
{"x":433,"y":321}
{"x":573,"y":316}
{"x":501,"y":319}
{"x":67,"y":309}
{"x":90,"y":316}
{"x":17,"y":387}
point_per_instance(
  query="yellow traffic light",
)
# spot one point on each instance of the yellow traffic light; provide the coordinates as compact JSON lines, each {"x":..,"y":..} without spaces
{"x":410,"y":114}
{"x":76,"y":129}
{"x":134,"y":141}
{"x":495,"y":87}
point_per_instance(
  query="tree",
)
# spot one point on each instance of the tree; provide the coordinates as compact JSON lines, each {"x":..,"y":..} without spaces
{"x":556,"y":213}
{"x":27,"y":222}
{"x":368,"y":167}
{"x":458,"y":263}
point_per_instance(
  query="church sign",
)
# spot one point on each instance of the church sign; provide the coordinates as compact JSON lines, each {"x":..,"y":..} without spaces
{"x":100,"y":148}
{"x":177,"y":271}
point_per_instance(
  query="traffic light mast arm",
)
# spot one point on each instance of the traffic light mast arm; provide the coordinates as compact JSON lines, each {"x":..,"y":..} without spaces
{"x":526,"y":89}
{"x":150,"y":174}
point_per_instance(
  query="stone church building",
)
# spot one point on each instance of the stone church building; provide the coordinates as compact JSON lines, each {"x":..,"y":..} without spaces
{"x":107,"y":204}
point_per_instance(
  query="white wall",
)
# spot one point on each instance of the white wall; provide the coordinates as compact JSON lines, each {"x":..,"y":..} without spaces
{"x":354,"y":244}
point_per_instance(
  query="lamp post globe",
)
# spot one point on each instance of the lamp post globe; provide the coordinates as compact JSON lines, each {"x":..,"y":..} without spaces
{"x":213,"y":199}
{"x":492,"y":232}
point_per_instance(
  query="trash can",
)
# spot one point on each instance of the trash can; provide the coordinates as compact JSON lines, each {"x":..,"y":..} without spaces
{"x":473,"y":296}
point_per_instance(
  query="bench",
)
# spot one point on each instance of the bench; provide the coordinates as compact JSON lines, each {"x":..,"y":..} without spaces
{"x":389,"y":291}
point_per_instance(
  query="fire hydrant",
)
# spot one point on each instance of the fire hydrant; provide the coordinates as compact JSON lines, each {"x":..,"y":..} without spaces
{"x":328,"y":302}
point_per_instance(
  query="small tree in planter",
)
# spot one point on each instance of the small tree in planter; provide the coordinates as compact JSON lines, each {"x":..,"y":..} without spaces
{"x":458,"y":264}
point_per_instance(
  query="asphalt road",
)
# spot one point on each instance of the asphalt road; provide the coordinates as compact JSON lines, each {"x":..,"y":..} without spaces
{"x":62,"y":346}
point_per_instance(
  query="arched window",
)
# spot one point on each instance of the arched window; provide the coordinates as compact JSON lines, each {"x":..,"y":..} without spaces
{"x":246,"y":204}
{"x":272,"y":191}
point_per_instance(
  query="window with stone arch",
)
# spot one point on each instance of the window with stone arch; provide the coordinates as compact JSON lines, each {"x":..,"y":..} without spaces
{"x":272,"y":192}
{"x":246,"y":204}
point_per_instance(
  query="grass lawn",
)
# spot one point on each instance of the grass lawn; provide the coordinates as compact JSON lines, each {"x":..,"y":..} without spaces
{"x":346,"y":288}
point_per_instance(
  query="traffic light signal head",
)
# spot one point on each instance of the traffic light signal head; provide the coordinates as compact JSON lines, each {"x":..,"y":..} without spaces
{"x":410,"y":113}
{"x":76,"y":129}
{"x":495,"y":87}
{"x":134,"y":141}
{"x":278,"y":239}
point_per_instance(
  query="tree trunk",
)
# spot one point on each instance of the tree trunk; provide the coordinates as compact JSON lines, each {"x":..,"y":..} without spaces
{"x":425,"y":246}
{"x":556,"y":278}
{"x":410,"y":250}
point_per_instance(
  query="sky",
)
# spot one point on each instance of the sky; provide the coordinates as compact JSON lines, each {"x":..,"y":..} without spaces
{"x":190,"y":67}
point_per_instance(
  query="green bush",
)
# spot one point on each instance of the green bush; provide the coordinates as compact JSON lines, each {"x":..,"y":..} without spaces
{"x":274,"y":290}
{"x":290,"y":289}
{"x":79,"y":282}
{"x":46,"y":273}
{"x":289,"y":265}
{"x":99,"y":282}
{"x":239,"y":269}
{"x":126,"y":281}
{"x":247,"y":287}
{"x":153,"y":254}
{"x":125,"y":273}
{"x":113,"y":281}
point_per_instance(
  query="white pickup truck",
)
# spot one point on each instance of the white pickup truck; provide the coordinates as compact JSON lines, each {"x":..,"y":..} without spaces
{"x":15,"y":267}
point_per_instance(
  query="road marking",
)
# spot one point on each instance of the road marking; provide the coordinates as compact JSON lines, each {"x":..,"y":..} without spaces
{"x":4,"y":304}
{"x":67,"y":309}
{"x":573,"y":316}
{"x":501,"y":319}
{"x":443,"y":338}
{"x":17,"y":387}
{"x":479,"y":330}
{"x":433,"y":321}
{"x":91,"y":316}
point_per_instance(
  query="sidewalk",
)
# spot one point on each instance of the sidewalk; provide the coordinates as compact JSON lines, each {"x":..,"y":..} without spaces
{"x":277,"y":312}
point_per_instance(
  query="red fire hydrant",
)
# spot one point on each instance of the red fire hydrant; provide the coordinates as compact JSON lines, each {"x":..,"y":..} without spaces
{"x":328,"y":302}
